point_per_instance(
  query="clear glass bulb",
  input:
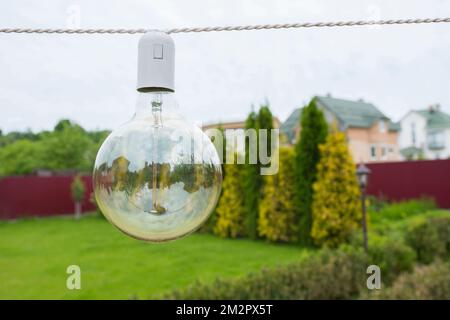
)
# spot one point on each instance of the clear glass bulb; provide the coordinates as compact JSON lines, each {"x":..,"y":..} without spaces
{"x":157,"y":177}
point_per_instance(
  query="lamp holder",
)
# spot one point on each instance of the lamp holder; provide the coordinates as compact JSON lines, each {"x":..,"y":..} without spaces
{"x":156,"y":62}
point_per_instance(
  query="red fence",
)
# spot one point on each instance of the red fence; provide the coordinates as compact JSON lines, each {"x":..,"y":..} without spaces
{"x":44,"y":196}
{"x":40,"y":196}
{"x":411,"y":179}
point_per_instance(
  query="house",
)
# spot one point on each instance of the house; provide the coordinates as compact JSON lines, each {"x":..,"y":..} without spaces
{"x":425,"y":134}
{"x":371,"y":135}
{"x":235,"y":125}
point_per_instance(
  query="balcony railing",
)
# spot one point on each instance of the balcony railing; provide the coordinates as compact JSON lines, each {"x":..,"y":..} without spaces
{"x":435,"y":145}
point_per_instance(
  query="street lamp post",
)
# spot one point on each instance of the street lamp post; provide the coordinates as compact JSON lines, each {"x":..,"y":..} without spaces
{"x":363,"y":176}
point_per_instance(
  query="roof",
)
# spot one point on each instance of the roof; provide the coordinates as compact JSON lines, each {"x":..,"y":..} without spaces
{"x":394,"y":126}
{"x":359,"y":114}
{"x":436,"y":119}
{"x":288,"y":126}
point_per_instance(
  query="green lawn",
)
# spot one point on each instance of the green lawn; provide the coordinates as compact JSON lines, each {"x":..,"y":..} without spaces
{"x":34,"y":255}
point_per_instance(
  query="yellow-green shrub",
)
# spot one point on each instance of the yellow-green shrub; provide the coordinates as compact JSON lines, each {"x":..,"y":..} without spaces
{"x":336,"y":206}
{"x":277,"y":220}
{"x":229,"y":212}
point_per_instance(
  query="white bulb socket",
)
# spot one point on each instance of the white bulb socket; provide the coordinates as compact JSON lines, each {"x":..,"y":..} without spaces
{"x":156,"y":62}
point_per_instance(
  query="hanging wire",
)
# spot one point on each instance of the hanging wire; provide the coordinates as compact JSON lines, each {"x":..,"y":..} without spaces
{"x":232,"y":28}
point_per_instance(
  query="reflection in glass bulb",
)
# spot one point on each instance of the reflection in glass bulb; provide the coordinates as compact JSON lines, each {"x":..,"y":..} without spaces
{"x":157,"y":178}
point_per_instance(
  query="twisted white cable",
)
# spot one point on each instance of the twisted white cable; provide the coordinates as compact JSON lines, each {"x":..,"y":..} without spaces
{"x":231,"y":28}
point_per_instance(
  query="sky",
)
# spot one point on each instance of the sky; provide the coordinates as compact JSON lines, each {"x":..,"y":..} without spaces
{"x":91,"y":79}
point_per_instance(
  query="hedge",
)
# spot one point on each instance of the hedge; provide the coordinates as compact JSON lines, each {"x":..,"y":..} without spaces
{"x":341,"y":273}
{"x":430,"y":282}
{"x":338,"y":274}
{"x":393,"y":257}
{"x":430,"y":238}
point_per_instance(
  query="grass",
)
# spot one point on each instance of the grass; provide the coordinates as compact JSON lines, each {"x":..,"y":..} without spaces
{"x":34,"y":255}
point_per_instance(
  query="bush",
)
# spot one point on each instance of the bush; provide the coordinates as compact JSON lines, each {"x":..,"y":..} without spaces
{"x":338,"y":274}
{"x":400,"y":210}
{"x":425,"y":283}
{"x":442,"y":225}
{"x":230,"y":212}
{"x":376,"y":204}
{"x":336,"y":206}
{"x":277,"y":220}
{"x":393,"y":257}
{"x":429,"y":238}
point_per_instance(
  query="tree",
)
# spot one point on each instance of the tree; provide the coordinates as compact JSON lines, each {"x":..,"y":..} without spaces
{"x":91,"y":140}
{"x":21,"y":157}
{"x":277,"y":219}
{"x":63,"y":124}
{"x":14,"y":136}
{"x":336,"y":207}
{"x":68,"y":148}
{"x":253,"y":180}
{"x":313,"y":132}
{"x":229,"y":212}
{"x":97,"y":138}
{"x":77,"y":188}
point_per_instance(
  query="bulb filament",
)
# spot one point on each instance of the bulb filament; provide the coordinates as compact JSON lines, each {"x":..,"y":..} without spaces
{"x":157,"y":123}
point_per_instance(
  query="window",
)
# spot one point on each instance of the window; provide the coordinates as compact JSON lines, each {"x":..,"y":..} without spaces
{"x":413,"y":133}
{"x":432,"y":138}
{"x":383,"y":153}
{"x":373,"y":152}
{"x":382,"y":126}
{"x":436,"y":140}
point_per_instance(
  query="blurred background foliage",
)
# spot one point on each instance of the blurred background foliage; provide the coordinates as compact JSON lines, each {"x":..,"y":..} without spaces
{"x":67,"y":147}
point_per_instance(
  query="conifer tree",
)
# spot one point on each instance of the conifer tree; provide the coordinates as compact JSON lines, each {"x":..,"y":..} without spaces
{"x":230,"y":210}
{"x":313,"y":132}
{"x":253,"y":180}
{"x":277,"y":219}
{"x":336,"y":208}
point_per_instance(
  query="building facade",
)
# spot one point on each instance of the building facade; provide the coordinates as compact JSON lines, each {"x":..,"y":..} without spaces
{"x":233,"y":125}
{"x":371,"y":135}
{"x":425,"y":134}
{"x":236,"y":128}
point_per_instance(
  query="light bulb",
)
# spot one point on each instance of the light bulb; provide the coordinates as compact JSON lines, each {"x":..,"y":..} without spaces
{"x":157,"y":177}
